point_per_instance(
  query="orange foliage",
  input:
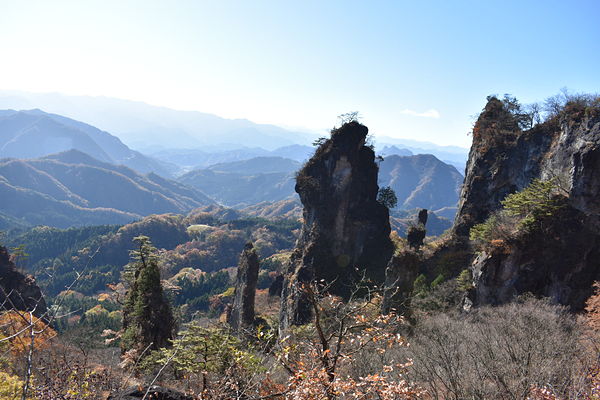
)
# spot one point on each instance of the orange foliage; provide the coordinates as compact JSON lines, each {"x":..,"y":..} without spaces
{"x":17,"y":324}
{"x":592,"y":308}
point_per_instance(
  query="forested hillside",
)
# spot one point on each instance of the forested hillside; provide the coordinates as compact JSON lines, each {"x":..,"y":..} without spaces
{"x":72,"y":188}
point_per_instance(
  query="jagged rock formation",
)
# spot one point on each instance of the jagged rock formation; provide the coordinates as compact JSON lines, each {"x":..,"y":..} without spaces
{"x":403,"y":268}
{"x":422,"y":217}
{"x":501,"y":161}
{"x":242,"y":312}
{"x":561,"y":261}
{"x":18,"y":291}
{"x":400,"y":274}
{"x":416,"y":233}
{"x":345,"y":231}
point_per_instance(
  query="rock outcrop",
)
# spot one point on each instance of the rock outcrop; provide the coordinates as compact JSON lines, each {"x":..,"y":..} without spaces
{"x":416,"y":233}
{"x":403,"y":268}
{"x":562,"y":264}
{"x":561,"y":261}
{"x":242,"y":312}
{"x":345,"y":233}
{"x":18,"y":291}
{"x":400,"y":274}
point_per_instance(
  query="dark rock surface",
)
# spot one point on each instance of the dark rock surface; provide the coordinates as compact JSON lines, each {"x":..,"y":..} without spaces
{"x":403,"y":268}
{"x":156,"y":393}
{"x":401,"y":272}
{"x":561,"y":263}
{"x":416,"y":233}
{"x":562,"y":260}
{"x":18,"y":291}
{"x":276,"y":286}
{"x":345,"y":231}
{"x":242,"y":312}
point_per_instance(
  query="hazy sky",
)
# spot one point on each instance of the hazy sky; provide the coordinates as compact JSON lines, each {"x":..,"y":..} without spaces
{"x":414,"y":69}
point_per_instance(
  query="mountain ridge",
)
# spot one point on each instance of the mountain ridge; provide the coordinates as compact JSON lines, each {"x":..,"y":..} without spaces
{"x":74,"y":188}
{"x":141,"y":125}
{"x":35,"y":133}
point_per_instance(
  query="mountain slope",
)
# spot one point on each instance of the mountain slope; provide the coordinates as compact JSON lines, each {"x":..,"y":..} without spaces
{"x":421,"y":181}
{"x":453,"y":155}
{"x":258,"y":165}
{"x":190,"y":159}
{"x":241,"y":190}
{"x":28,"y":207}
{"x":34,"y":133}
{"x":72,"y":188}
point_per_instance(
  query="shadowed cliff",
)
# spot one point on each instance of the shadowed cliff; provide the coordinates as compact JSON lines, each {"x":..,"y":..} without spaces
{"x":345,"y":233}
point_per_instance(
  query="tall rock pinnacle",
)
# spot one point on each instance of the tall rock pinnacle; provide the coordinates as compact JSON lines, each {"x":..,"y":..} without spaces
{"x":242,"y":312}
{"x":346,"y":231}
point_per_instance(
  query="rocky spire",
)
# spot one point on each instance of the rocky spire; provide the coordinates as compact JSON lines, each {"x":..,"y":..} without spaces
{"x":501,"y":161}
{"x":416,"y":233}
{"x":346,"y":231}
{"x":242,"y":312}
{"x":18,"y":291}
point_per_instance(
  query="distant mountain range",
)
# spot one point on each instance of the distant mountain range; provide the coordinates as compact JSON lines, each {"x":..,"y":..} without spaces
{"x":151,"y":129}
{"x":145,"y":127}
{"x":420,"y":181}
{"x":93,"y":177}
{"x":189,"y":159}
{"x":394,"y":150}
{"x":35,"y":133}
{"x":247,"y":182}
{"x":72,"y":188}
{"x":453,"y":155}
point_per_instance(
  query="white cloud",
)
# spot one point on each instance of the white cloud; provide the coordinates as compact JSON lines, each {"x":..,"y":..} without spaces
{"x":431,"y":113}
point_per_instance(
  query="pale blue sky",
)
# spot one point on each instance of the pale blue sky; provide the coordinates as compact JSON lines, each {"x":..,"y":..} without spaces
{"x":417,"y":69}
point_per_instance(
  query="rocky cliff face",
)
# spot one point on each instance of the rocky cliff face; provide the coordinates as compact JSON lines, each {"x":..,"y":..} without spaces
{"x":345,"y":231}
{"x":18,"y":291}
{"x":562,"y":260}
{"x":242,"y":311}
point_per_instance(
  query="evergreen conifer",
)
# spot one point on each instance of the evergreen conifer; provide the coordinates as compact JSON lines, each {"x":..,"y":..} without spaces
{"x":147,"y":317}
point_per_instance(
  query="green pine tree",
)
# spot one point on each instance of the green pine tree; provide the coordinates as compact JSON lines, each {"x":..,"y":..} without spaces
{"x":147,"y":316}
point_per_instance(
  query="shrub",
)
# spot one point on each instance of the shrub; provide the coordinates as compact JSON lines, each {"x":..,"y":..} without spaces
{"x":437,"y":281}
{"x":464,"y":280}
{"x":526,"y":210}
{"x":210,"y":357}
{"x":387,"y":197}
{"x":537,"y":201}
{"x":443,"y":297}
{"x":348,"y":352}
{"x":500,"y":352}
{"x":10,"y":386}
{"x":420,"y":286}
